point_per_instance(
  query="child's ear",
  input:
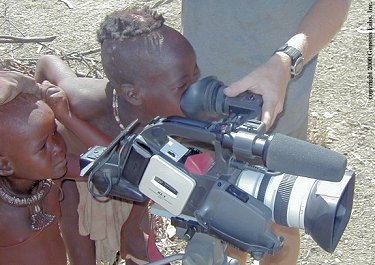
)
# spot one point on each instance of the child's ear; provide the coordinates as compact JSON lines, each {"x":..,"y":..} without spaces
{"x":6,"y":167}
{"x":132,"y":94}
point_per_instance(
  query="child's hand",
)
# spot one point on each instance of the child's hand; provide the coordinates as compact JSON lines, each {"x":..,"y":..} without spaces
{"x":56,"y":98}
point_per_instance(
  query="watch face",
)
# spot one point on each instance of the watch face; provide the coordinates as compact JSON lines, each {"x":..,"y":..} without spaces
{"x":296,"y":69}
{"x":296,"y":58}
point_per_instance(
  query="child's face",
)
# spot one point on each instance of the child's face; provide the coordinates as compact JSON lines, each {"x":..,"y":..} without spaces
{"x":160,"y":72}
{"x":162,"y":89}
{"x":37,"y":149}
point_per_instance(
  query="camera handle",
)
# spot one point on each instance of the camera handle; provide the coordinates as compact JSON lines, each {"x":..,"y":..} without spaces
{"x":202,"y":249}
{"x":206,"y":249}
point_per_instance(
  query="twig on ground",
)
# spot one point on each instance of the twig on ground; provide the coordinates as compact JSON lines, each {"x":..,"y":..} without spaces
{"x":84,"y":53}
{"x":68,"y":3}
{"x":13,"y":39}
{"x":85,"y":65}
{"x":15,"y":65}
{"x":308,"y":252}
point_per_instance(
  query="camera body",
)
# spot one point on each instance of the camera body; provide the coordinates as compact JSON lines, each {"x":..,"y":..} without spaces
{"x":204,"y":174}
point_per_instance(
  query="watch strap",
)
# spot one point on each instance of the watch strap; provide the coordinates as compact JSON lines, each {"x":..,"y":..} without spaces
{"x":295,"y":57}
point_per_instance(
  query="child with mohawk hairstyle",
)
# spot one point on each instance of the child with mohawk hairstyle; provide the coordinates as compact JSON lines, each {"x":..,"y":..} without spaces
{"x":148,"y":65}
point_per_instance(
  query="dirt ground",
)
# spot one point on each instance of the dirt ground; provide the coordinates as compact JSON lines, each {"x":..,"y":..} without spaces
{"x":342,"y":109}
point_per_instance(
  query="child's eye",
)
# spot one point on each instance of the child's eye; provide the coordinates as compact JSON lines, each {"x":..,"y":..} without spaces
{"x":197,"y":73}
{"x":54,"y":129}
{"x":43,"y":146}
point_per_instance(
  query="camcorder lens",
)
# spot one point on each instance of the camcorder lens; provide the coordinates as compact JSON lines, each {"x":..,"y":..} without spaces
{"x":321,"y":208}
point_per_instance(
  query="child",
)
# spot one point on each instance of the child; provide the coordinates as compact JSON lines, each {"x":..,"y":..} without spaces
{"x":148,"y":65}
{"x":32,"y":158}
{"x":33,"y":162}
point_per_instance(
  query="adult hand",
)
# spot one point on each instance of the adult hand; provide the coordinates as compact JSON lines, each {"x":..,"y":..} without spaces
{"x":56,"y":98}
{"x":269,"y":80}
{"x":12,"y":83}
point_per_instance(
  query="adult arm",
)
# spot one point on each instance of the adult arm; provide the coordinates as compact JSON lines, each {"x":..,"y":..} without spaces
{"x":270,"y":80}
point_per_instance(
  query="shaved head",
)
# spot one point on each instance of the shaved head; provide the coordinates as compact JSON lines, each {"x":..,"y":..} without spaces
{"x":16,"y":115}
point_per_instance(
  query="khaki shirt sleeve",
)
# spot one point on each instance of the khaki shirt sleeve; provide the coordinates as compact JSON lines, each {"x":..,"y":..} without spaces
{"x":13,"y":83}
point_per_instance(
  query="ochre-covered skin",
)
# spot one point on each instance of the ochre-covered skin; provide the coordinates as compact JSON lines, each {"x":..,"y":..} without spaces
{"x":21,"y":245}
{"x":31,"y":150}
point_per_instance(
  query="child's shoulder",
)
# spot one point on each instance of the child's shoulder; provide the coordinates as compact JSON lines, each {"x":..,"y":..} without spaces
{"x":83,"y":87}
{"x":84,"y":94}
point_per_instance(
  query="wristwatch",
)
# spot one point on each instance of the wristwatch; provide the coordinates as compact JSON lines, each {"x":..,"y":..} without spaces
{"x":295,"y":57}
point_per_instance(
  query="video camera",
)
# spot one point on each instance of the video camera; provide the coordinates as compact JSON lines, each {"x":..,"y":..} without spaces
{"x":217,"y":172}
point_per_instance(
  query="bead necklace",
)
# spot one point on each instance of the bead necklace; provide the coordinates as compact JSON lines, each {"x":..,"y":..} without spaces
{"x":116,"y":112}
{"x":39,"y":220}
{"x":19,"y":200}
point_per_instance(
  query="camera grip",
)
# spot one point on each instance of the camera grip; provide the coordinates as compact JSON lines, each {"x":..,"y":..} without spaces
{"x":238,"y":218}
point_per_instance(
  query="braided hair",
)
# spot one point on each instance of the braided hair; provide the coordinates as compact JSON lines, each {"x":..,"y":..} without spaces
{"x":128,"y":23}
